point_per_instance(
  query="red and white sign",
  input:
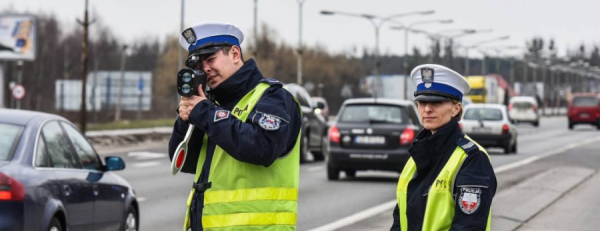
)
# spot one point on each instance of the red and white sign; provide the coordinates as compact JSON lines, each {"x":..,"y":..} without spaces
{"x":18,"y":91}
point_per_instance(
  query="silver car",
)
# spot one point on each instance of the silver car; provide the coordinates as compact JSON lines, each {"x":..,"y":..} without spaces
{"x":524,"y":109}
{"x":490,"y":126}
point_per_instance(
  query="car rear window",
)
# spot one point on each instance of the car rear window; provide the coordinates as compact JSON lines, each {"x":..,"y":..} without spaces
{"x":522,"y":105}
{"x":585,"y":101}
{"x":9,"y":136}
{"x":374,"y":114}
{"x":491,"y":114}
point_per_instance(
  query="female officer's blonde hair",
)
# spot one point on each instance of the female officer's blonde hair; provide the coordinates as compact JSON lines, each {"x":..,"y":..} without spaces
{"x":459,"y":115}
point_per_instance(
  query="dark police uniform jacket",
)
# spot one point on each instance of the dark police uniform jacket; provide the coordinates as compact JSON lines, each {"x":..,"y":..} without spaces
{"x":245,"y":141}
{"x":430,"y":153}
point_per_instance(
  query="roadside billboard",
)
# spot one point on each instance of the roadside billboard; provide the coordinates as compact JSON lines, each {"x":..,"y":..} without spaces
{"x":17,"y":37}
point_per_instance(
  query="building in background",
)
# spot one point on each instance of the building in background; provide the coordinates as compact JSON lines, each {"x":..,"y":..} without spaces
{"x":103,"y":91}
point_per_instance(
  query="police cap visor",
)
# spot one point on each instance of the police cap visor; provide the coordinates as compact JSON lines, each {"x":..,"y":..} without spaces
{"x":431,"y":98}
{"x":198,"y":54}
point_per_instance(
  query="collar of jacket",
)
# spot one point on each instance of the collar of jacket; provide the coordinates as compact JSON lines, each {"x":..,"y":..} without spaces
{"x":239,"y":84}
{"x":429,"y":148}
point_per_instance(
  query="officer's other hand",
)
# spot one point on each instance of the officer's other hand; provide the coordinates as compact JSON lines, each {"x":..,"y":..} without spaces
{"x":184,"y":111}
{"x":187,"y":104}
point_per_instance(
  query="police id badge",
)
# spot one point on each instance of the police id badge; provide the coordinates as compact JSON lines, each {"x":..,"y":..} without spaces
{"x":469,"y":200}
{"x":221,"y":115}
{"x":427,"y":76}
{"x":269,"y":122}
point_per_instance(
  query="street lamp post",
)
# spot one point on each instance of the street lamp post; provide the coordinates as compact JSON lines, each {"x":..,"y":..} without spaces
{"x":498,"y":51}
{"x":179,"y":58}
{"x":478,"y":44}
{"x":254,"y":51}
{"x":405,"y":58}
{"x":300,"y":48}
{"x":377,"y":22}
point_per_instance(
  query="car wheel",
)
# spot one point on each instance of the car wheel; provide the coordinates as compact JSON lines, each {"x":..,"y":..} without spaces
{"x":321,"y":155}
{"x":536,"y":123}
{"x":507,"y":148}
{"x":130,"y":223}
{"x":55,"y":225}
{"x":350,"y":173}
{"x":333,"y":173}
{"x":598,"y":125}
{"x":303,"y":149}
{"x":570,"y":125}
{"x":514,"y":148}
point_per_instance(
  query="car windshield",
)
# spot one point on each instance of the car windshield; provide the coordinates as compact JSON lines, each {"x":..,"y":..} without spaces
{"x":585,"y":101}
{"x":9,"y":135}
{"x":373,"y":114}
{"x":492,"y":114}
{"x":477,"y":91}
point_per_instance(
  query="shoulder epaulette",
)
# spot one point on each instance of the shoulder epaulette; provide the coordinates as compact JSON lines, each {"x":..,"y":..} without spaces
{"x":466,"y":144}
{"x":271,"y":81}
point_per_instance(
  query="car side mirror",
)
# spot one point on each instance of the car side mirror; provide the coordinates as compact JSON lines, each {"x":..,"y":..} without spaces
{"x":320,"y":105}
{"x":114,"y":163}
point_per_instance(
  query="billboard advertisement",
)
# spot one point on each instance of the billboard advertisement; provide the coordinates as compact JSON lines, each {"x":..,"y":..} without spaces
{"x":17,"y":37}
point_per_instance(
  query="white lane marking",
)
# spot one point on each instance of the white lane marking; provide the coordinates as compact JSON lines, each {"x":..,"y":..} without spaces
{"x":530,"y":160}
{"x":146,"y":155}
{"x":141,"y":199}
{"x":357,"y":217}
{"x":146,"y":164}
{"x":352,"y":219}
{"x":315,"y":168}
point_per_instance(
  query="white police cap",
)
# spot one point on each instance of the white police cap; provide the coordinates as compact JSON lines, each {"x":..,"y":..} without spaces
{"x":209,"y":37}
{"x":438,"y":83}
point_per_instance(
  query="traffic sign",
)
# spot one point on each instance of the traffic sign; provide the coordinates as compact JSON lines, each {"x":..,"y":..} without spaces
{"x":18,"y":91}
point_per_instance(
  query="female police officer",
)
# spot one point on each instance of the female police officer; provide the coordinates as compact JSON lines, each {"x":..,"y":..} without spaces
{"x":448,"y":183}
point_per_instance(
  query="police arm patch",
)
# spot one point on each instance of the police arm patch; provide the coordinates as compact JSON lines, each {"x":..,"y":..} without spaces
{"x":469,"y":199}
{"x":221,"y":115}
{"x":269,"y":122}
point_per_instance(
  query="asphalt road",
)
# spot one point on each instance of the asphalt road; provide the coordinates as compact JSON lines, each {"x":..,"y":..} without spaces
{"x":321,"y":201}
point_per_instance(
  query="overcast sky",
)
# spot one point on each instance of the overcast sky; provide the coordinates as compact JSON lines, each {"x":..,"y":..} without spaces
{"x":569,"y":22}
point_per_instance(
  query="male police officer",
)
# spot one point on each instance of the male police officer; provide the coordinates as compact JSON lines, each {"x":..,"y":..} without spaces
{"x":244,"y":150}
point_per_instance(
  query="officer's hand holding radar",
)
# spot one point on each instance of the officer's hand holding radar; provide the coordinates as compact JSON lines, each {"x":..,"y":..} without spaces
{"x":190,"y":86}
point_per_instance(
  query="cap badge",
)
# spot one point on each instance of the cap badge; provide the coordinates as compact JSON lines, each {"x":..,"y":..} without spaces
{"x":189,"y":35}
{"x":427,"y":76}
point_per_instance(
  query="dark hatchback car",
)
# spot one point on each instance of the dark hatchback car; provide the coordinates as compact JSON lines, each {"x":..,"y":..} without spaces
{"x":314,"y":125}
{"x":371,"y":134}
{"x":52,"y":179}
{"x":584,"y":108}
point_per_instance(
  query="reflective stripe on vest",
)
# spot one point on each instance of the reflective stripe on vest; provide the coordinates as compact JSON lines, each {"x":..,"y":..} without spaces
{"x":439,"y":212}
{"x":246,"y":196}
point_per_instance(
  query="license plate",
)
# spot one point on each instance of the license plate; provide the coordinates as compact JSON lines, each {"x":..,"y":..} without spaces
{"x":584,"y":115}
{"x":482,"y":129}
{"x":369,"y":140}
{"x":369,"y":156}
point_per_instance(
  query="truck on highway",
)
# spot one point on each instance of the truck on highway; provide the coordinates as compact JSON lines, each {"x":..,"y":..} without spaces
{"x":486,"y":89}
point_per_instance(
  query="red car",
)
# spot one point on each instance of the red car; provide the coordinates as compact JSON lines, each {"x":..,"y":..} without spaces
{"x":584,"y":108}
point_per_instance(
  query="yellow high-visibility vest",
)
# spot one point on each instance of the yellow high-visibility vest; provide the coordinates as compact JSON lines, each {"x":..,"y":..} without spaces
{"x":246,"y":196}
{"x":439,"y":212}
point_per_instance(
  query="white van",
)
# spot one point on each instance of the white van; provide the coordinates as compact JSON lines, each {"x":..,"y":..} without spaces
{"x":524,"y":109}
